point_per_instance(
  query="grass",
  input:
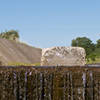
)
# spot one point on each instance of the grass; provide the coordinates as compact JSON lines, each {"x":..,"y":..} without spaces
{"x":22,"y":64}
{"x":97,"y":60}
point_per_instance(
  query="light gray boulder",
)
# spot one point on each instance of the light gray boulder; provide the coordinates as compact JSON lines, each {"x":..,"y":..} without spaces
{"x":63,"y":56}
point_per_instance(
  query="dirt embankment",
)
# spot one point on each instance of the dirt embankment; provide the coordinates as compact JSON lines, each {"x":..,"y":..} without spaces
{"x":11,"y":51}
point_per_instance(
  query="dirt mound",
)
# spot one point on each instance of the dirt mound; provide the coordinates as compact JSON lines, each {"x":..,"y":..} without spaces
{"x":11,"y":51}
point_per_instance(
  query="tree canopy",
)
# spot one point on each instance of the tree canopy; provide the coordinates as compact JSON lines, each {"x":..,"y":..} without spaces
{"x":98,"y":43}
{"x":84,"y":42}
{"x":11,"y":35}
{"x":88,"y":45}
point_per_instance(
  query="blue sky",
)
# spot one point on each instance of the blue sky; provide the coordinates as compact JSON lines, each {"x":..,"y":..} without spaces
{"x":47,"y":23}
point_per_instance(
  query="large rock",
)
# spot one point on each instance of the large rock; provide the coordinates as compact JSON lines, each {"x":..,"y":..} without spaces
{"x":63,"y":56}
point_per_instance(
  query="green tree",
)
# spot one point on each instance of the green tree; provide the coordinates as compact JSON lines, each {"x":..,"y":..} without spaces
{"x":84,"y":42}
{"x":98,"y":43}
{"x":11,"y":35}
{"x":13,"y":32}
{"x":92,"y":56}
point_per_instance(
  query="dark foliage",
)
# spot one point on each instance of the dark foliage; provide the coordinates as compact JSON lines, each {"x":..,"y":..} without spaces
{"x":10,"y":35}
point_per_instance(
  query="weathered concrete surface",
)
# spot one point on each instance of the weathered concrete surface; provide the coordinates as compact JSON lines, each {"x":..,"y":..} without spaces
{"x":65,"y":56}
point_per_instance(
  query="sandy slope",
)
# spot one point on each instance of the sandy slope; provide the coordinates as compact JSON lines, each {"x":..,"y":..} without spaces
{"x":11,"y":51}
